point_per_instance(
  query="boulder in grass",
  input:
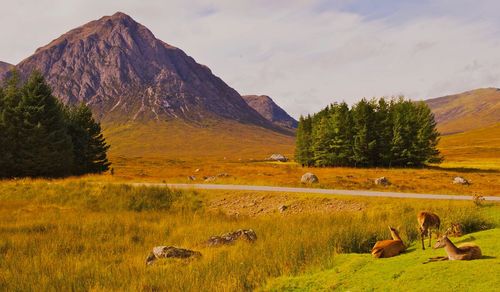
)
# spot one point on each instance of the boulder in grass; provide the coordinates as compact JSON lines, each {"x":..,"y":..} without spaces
{"x":229,"y":238}
{"x":278,"y":157}
{"x":163,"y":252}
{"x":383,"y":181}
{"x":309,"y":178}
{"x":460,"y":181}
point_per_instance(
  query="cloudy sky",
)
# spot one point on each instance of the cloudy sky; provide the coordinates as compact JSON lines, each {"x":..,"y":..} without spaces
{"x":304,"y":54}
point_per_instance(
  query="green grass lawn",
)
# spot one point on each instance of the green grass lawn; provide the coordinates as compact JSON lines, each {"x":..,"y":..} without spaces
{"x":361,"y":272}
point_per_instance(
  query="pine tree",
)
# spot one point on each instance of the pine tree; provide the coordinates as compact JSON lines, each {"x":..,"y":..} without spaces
{"x":89,"y":145}
{"x":304,"y":141}
{"x":427,"y":136}
{"x":384,"y":129}
{"x":12,"y":119}
{"x":365,"y":143}
{"x":322,"y":138}
{"x":341,"y":145}
{"x":44,"y":147}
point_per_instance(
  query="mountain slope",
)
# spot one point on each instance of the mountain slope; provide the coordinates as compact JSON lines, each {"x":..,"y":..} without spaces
{"x":466,"y":111}
{"x":4,"y":68}
{"x":124,"y":73}
{"x":265,"y":106}
{"x":478,"y":148}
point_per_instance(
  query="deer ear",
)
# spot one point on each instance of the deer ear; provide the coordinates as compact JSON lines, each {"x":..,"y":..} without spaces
{"x":448,"y":231}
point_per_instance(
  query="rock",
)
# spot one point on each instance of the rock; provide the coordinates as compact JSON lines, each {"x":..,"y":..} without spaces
{"x":229,"y":238}
{"x":383,"y":181}
{"x":210,"y":178}
{"x":460,"y":181}
{"x":197,"y":170}
{"x":278,"y":157}
{"x":163,"y":252}
{"x":282,"y":208}
{"x":191,"y":177}
{"x":309,"y":178}
{"x":224,"y":174}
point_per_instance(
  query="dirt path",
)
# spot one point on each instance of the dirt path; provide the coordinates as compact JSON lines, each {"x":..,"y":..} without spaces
{"x":315,"y":191}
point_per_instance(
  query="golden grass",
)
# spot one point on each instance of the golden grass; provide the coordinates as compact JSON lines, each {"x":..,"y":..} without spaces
{"x":479,"y":148}
{"x":72,"y":235}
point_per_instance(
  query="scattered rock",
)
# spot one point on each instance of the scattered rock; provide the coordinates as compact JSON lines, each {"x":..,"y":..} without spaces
{"x":278,"y":157}
{"x":282,"y":208}
{"x":197,"y":170}
{"x":309,"y":178}
{"x":191,"y":177}
{"x":210,"y":178}
{"x":224,"y":174}
{"x":163,"y":252}
{"x":383,"y":181}
{"x":460,"y":181}
{"x":229,"y":238}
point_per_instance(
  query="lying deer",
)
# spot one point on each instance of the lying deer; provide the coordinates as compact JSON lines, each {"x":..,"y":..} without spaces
{"x":389,"y":248}
{"x":463,"y":252}
{"x":426,"y":222}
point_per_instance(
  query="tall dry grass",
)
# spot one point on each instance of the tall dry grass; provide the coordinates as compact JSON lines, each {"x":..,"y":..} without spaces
{"x":80,"y":236}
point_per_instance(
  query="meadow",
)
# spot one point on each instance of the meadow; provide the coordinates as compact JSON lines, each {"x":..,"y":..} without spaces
{"x":81,"y":235}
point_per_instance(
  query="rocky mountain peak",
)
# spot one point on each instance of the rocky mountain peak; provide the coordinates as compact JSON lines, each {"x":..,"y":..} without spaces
{"x":124,"y":72}
{"x":265,"y":106}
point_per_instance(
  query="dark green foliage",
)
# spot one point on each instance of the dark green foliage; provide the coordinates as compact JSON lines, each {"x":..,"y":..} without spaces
{"x":89,"y":146}
{"x":36,"y":133}
{"x":396,"y":132}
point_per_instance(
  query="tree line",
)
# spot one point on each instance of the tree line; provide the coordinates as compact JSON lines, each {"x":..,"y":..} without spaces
{"x":378,"y":132}
{"x":41,"y":137}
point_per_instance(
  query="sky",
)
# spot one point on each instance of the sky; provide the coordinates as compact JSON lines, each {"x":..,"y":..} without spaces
{"x":304,"y":54}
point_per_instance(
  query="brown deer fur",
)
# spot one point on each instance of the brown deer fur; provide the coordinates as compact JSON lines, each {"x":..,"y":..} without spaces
{"x":426,"y":222}
{"x":466,"y":251}
{"x":389,"y":248}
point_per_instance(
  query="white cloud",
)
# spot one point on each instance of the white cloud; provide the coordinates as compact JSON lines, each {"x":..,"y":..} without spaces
{"x":303,"y":57}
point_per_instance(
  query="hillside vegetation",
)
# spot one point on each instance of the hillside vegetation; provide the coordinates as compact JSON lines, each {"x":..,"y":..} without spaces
{"x":479,"y":148}
{"x":466,"y":111}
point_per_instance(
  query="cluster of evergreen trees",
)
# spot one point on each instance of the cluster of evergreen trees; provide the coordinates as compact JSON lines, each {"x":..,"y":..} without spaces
{"x":41,"y":137}
{"x":395,"y":132}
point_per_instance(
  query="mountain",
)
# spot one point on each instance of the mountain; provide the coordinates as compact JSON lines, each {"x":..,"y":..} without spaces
{"x":265,"y":106}
{"x":125,"y":73}
{"x":466,"y":111}
{"x":4,"y":68}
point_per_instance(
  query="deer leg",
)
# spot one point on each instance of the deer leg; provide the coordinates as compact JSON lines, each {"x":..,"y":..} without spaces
{"x":430,"y":236}
{"x":422,"y":238}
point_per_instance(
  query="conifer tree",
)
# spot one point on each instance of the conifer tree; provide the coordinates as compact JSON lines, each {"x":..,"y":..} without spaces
{"x":44,"y":147}
{"x":89,"y":145}
{"x":365,"y":143}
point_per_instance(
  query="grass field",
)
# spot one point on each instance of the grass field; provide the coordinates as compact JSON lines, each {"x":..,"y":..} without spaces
{"x":78,"y":235}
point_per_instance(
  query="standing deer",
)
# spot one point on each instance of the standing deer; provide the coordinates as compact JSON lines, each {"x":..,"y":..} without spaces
{"x":426,"y":222}
{"x":389,"y":248}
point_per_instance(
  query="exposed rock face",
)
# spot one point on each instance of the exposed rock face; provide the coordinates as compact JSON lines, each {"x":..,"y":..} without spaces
{"x":265,"y":106}
{"x":460,"y":181}
{"x":122,"y":71}
{"x":4,"y":68}
{"x":163,"y":252}
{"x":309,"y":178}
{"x":229,"y":238}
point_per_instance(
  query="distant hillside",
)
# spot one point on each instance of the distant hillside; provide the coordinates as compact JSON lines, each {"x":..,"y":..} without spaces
{"x":478,"y":148}
{"x":264,"y":105}
{"x":466,"y":111}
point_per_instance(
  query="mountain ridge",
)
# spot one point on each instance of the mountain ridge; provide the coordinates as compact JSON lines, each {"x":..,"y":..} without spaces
{"x":266,"y":106}
{"x":124,"y":73}
{"x":466,"y":111}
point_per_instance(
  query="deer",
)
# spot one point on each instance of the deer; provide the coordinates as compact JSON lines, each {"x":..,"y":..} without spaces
{"x":426,"y":222}
{"x":463,"y":252}
{"x":389,"y":248}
